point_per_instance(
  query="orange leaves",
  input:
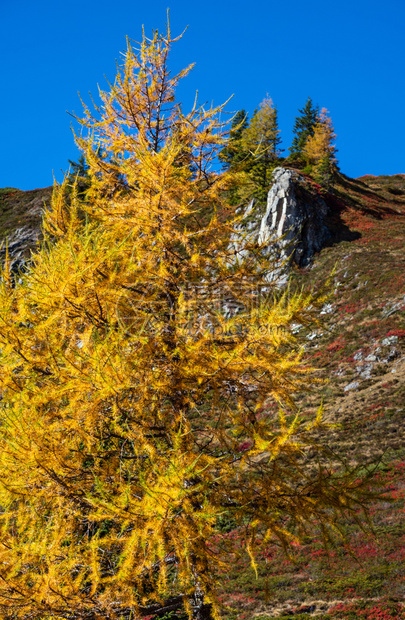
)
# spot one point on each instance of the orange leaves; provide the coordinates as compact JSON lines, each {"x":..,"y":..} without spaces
{"x":320,"y":151}
{"x":321,"y":144}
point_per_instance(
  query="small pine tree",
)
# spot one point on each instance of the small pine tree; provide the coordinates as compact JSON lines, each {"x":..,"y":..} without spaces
{"x":78,"y":168}
{"x":78,"y":175}
{"x":235,"y":157}
{"x":304,"y":127}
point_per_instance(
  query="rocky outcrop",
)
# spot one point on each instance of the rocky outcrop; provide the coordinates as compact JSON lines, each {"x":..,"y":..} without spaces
{"x":20,"y":224}
{"x":19,"y":246}
{"x":295,"y":218}
{"x":292,"y":229}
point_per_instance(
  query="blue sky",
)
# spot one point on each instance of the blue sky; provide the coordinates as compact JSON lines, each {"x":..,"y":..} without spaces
{"x":348,"y":55}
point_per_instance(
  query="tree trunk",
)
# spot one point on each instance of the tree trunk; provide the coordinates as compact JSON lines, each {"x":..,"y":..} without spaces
{"x":202,"y":612}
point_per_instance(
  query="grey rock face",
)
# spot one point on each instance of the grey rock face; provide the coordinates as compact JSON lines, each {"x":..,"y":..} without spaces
{"x":292,"y":228}
{"x":21,"y":225}
{"x":245,"y":233}
{"x":351,"y":386}
{"x":19,"y":244}
{"x":295,"y":214}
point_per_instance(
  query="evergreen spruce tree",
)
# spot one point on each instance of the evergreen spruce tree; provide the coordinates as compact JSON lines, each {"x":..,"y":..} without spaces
{"x":304,"y":127}
{"x":233,"y":154}
{"x":236,"y":158}
{"x":78,"y":175}
{"x":78,"y":168}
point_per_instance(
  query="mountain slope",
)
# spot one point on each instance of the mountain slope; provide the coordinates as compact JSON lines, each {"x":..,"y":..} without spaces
{"x":359,"y":353}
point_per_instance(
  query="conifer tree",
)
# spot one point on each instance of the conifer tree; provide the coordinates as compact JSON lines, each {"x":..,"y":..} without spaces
{"x":304,"y":126}
{"x":232,"y":155}
{"x":135,"y":412}
{"x":236,"y":158}
{"x":262,"y":140}
{"x":320,"y":150}
{"x":78,"y":173}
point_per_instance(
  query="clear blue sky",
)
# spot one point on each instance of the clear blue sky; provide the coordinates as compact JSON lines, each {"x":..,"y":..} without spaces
{"x":348,"y":55}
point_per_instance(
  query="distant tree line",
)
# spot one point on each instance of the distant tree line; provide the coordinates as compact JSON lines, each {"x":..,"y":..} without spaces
{"x":253,"y":151}
{"x":253,"y":148}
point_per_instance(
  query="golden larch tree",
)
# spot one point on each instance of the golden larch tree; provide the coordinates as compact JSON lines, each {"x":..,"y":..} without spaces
{"x":261,"y":139}
{"x":136,"y":411}
{"x":320,"y":149}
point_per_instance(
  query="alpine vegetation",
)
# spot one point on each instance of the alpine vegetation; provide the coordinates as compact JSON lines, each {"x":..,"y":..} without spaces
{"x":136,"y":414}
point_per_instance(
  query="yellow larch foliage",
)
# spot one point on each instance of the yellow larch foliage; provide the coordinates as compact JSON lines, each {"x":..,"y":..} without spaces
{"x":321,"y":143}
{"x":135,"y":412}
{"x":320,"y":150}
{"x":262,"y":136}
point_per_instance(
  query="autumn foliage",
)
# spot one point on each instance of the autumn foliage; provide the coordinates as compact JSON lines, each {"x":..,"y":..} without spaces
{"x":320,"y":150}
{"x":136,"y":410}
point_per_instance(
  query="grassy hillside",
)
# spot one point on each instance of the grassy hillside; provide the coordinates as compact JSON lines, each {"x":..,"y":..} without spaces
{"x":359,"y":351}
